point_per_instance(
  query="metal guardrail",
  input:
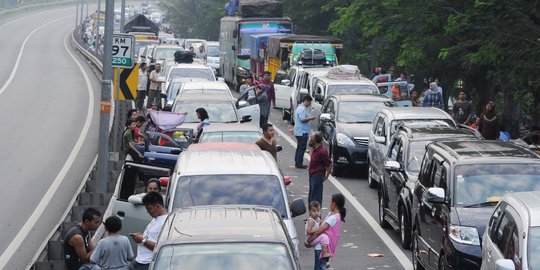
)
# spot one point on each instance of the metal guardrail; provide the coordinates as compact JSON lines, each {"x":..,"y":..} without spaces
{"x":34,"y":6}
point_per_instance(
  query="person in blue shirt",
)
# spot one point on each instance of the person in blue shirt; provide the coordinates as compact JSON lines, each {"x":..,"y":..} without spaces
{"x":302,"y":128}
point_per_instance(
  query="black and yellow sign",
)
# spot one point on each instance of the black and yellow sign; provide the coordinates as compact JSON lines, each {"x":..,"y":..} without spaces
{"x":129,"y":80}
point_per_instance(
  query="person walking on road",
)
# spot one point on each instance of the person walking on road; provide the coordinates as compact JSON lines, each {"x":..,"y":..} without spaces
{"x":268,"y":86}
{"x":462,"y":110}
{"x":302,"y":128}
{"x":332,"y":228}
{"x":78,"y":245}
{"x":153,"y":202}
{"x":201,"y":54}
{"x":320,"y":167}
{"x":433,"y":97}
{"x":142,"y":84}
{"x":113,"y":251}
{"x":267,"y":142}
{"x":264,"y":105}
{"x":489,"y":123}
{"x":155,"y":86}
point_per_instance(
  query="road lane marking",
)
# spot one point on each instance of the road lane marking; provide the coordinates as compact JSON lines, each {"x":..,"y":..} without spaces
{"x":17,"y":62}
{"x":38,"y":211}
{"x":398,"y":253}
{"x":31,"y":15}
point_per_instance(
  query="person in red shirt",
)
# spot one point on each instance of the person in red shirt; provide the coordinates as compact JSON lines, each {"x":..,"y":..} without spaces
{"x":268,"y":86}
{"x":320,"y":167}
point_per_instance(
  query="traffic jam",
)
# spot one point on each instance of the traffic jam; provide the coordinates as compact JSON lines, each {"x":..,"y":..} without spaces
{"x":234,"y":147}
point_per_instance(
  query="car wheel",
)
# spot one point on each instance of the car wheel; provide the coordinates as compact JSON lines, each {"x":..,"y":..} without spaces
{"x":443,"y":262}
{"x":404,"y":229}
{"x":291,"y":110}
{"x":382,"y":221}
{"x":336,"y":171}
{"x":414,"y":248}
{"x":371,"y":182}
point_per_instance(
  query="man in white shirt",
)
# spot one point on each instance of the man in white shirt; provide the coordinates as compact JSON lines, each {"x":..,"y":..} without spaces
{"x":201,"y":54}
{"x":155,"y":87}
{"x":143,"y":83}
{"x":153,"y":202}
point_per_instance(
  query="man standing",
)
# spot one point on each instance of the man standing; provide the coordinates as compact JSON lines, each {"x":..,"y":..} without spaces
{"x":264,"y":105}
{"x":267,"y":141}
{"x":153,"y":202}
{"x":201,"y":54}
{"x":155,"y":87}
{"x":302,"y":127}
{"x":268,"y":86}
{"x":462,"y":110}
{"x":78,"y":245}
{"x":320,"y":167}
{"x":141,"y":88}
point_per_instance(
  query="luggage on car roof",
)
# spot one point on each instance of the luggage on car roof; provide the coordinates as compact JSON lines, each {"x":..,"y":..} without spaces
{"x":312,"y":57}
{"x":344,"y":72}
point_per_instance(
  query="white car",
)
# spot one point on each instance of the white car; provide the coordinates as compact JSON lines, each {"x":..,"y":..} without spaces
{"x":212,"y":54}
{"x":193,"y":70}
{"x":512,"y":238}
{"x":231,"y":133}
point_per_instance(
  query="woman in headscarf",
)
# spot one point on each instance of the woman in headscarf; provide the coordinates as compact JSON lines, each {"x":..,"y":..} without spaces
{"x":489,"y":123}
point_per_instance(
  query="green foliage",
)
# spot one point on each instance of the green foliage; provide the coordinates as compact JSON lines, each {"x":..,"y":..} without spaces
{"x":193,"y":18}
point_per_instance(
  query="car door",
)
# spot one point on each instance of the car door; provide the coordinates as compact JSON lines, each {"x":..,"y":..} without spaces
{"x":283,"y":92}
{"x":380,"y":148}
{"x":422,"y":207}
{"x":440,"y":212}
{"x":505,"y":239}
{"x":329,"y":127}
{"x":392,"y":181}
{"x":132,"y":181}
{"x":488,"y":244}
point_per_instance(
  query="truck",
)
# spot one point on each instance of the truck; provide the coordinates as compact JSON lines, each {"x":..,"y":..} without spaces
{"x":284,"y":51}
{"x":145,"y":31}
{"x":253,"y":17}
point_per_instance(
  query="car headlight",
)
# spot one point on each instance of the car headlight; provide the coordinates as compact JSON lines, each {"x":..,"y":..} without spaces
{"x":465,"y":235}
{"x":344,"y":140}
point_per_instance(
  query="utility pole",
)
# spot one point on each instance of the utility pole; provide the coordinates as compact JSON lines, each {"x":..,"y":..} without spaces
{"x":98,"y":23}
{"x":123,"y":16}
{"x":87,"y":3}
{"x":105,"y":116}
{"x":77,"y":14}
{"x":82,"y":9}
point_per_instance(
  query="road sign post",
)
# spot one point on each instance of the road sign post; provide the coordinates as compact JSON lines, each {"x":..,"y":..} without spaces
{"x":123,"y":51}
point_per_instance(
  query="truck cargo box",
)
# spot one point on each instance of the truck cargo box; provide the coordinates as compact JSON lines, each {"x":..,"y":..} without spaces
{"x":260,"y":8}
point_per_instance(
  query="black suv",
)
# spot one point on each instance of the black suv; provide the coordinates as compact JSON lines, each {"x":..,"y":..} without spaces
{"x":458,"y":186}
{"x":401,"y":167}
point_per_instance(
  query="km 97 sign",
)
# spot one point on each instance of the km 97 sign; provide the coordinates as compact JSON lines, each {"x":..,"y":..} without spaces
{"x":122,"y":50}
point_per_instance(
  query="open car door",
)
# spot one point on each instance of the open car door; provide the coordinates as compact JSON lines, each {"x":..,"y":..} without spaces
{"x":283,"y":87}
{"x":128,"y":198}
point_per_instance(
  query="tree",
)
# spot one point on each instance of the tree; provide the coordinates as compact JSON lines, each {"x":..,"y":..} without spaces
{"x":195,"y":19}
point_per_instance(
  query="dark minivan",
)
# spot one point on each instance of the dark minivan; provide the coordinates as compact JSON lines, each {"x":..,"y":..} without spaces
{"x":458,"y":186}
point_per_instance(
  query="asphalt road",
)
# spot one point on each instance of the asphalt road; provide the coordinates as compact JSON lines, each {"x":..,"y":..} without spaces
{"x":49,"y":116}
{"x":361,"y":236}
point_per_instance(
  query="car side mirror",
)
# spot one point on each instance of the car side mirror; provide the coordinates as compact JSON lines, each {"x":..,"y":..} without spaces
{"x":304,"y":91}
{"x":435,"y":195}
{"x":380,"y":139}
{"x":325,"y":117}
{"x":298,"y":207}
{"x":287,"y":180}
{"x":279,"y":148}
{"x":135,"y":199}
{"x":286,"y":82}
{"x":319,"y":98}
{"x":242,"y":104}
{"x":504,"y":264}
{"x":164,"y":181}
{"x":393,"y":166}
{"x":245,"y":119}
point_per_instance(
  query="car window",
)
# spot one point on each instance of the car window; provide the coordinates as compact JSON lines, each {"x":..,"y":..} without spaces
{"x":330,"y":107}
{"x":230,"y":136}
{"x":380,"y":128}
{"x":427,"y":178}
{"x":533,"y":247}
{"x":203,"y":73}
{"x":165,"y":53}
{"x":212,"y":51}
{"x":280,"y":77}
{"x":360,"y":111}
{"x":224,"y":256}
{"x":161,"y":140}
{"x":396,"y":150}
{"x":494,"y":220}
{"x":342,"y":89}
{"x":218,"y":112}
{"x":413,"y":123}
{"x":230,"y":189}
{"x":506,"y":238}
{"x":440,"y":177}
{"x":480,"y":183}
{"x":292,"y":74}
{"x":416,"y":152}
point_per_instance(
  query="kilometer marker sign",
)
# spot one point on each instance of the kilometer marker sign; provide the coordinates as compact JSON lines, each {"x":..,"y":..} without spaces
{"x":123,"y":50}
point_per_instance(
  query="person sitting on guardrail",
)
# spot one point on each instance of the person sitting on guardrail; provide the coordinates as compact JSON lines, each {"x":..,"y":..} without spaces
{"x":128,"y":143}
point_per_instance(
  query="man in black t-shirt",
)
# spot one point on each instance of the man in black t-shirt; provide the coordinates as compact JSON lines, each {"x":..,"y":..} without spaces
{"x":462,"y":109}
{"x":78,"y":245}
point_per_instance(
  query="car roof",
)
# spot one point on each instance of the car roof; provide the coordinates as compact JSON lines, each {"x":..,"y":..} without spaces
{"x":221,"y":223}
{"x":226,"y":158}
{"x":404,"y":113}
{"x":206,"y":97}
{"x":218,"y":127}
{"x":363,"y":97}
{"x":168,"y":46}
{"x":485,"y":149}
{"x":528,"y":202}
{"x":436,"y":132}
{"x":193,"y":65}
{"x":316,"y":71}
{"x":212,"y":43}
{"x":205,"y":85}
{"x":358,"y":81}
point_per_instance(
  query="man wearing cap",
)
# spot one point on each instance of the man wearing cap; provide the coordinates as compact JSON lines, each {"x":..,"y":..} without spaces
{"x":268,"y":86}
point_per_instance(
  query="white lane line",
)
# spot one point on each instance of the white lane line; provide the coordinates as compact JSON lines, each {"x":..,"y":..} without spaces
{"x":38,"y":211}
{"x":31,"y":15}
{"x":402,"y":258}
{"x":18,"y":61}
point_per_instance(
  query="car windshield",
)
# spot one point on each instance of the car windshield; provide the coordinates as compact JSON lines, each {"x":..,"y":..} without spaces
{"x":534,"y":248}
{"x":165,"y":53}
{"x":343,"y":89}
{"x":224,"y":256}
{"x":230,"y":189}
{"x":360,"y":111}
{"x":203,"y":73}
{"x":480,"y":183}
{"x":230,"y":136}
{"x":415,"y":123}
{"x":218,"y":112}
{"x":205,"y":91}
{"x":212,"y":51}
{"x":416,"y":153}
{"x":173,"y":89}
